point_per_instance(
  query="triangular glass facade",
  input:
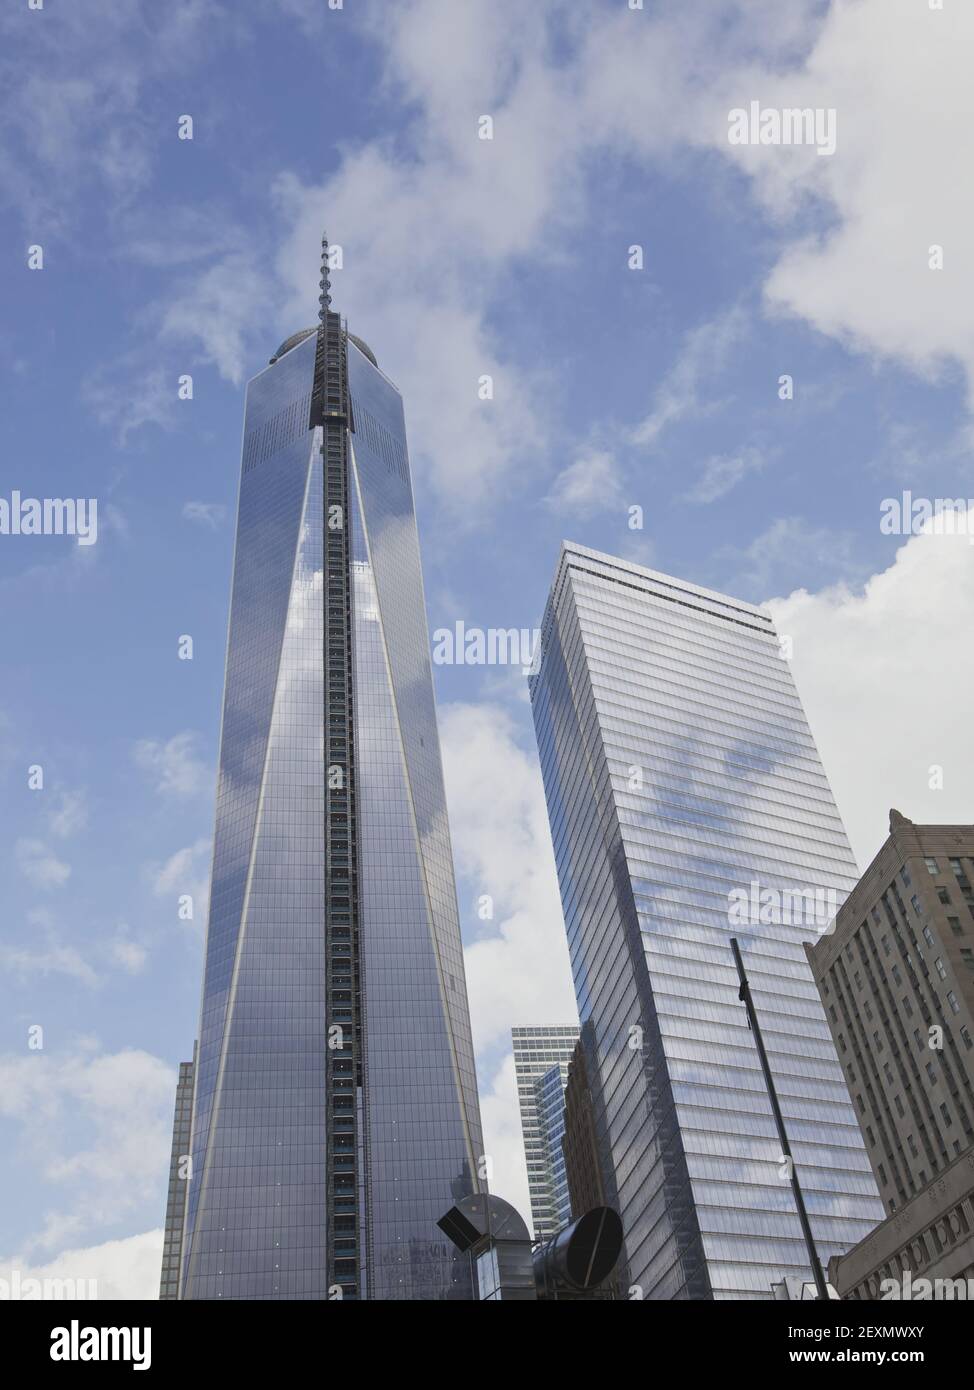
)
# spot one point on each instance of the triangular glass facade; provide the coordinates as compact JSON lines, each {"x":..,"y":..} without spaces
{"x":335,"y":1113}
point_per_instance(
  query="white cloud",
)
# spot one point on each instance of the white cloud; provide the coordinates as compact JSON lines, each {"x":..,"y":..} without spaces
{"x":504,"y":1139}
{"x":423,"y":314}
{"x":186,"y":871}
{"x":211,"y":514}
{"x":722,"y":473}
{"x":592,"y":483}
{"x":120,"y":1269}
{"x":127,"y":394}
{"x":46,"y":954}
{"x":74,"y":93}
{"x":428,"y":238}
{"x":432,"y":219}
{"x":68,"y":814}
{"x":174,"y":764}
{"x":52,"y":959}
{"x":199,"y":231}
{"x":74,"y":564}
{"x":784,"y":550}
{"x":885,"y":676}
{"x":217,"y":309}
{"x":124,"y":951}
{"x":95,"y":1126}
{"x":518,"y":972}
{"x":688,"y":387}
{"x":898,"y":76}
{"x":40,"y":865}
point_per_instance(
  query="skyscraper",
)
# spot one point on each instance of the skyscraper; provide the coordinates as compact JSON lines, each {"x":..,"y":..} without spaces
{"x":335,"y":1113}
{"x":176,"y":1195}
{"x":688,"y":805}
{"x":541,"y":1057}
{"x":583,"y":1172}
{"x":897,"y":981}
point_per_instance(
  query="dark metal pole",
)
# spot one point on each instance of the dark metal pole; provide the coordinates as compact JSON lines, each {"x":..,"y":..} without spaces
{"x":745,"y":996}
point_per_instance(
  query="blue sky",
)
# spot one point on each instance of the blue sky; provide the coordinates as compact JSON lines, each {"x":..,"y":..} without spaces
{"x":613,"y":388}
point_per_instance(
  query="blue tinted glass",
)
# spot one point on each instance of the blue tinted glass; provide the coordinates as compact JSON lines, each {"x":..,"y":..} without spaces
{"x":682,"y":782}
{"x":257,"y":1223}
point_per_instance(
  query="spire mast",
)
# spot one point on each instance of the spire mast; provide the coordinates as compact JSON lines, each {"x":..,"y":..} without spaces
{"x":324,"y":284}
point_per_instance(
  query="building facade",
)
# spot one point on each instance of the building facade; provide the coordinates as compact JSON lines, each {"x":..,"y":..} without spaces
{"x":583,"y":1173}
{"x":925,"y":1250}
{"x":541,"y":1057}
{"x":335,"y":1113}
{"x":172,"y":1245}
{"x":897,"y":981}
{"x":687,"y":805}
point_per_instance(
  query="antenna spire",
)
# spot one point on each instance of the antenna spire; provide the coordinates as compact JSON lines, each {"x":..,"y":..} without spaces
{"x":324,"y":284}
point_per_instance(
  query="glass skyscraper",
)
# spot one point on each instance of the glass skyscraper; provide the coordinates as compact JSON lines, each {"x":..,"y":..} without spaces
{"x":334,"y":1114}
{"x":687,"y":805}
{"x":541,"y":1058}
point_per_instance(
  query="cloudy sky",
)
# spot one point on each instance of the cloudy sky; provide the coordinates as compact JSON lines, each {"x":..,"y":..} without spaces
{"x":621,"y":379}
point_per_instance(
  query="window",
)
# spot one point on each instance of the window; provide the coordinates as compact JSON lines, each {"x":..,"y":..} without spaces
{"x":961,"y":876}
{"x":888,"y":1072}
{"x":870,"y":1137}
{"x":932,"y":866}
{"x":952,"y":1001}
{"x":916,"y":1034}
{"x":946,"y":1114}
{"x":886,"y":945}
{"x":911,"y":1142}
{"x":940,"y":968}
{"x":868,"y":1011}
{"x":928,"y":936}
{"x":899,"y":1106}
{"x":878,"y":1041}
{"x":943,"y":896}
{"x":915,"y":904}
{"x":932,"y":1075}
{"x":967,"y":956}
{"x":955,"y":926}
{"x":898,"y":978}
{"x":905,"y":875}
{"x":858,"y":979}
{"x":965,"y":1034}
{"x":882,"y":1175}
